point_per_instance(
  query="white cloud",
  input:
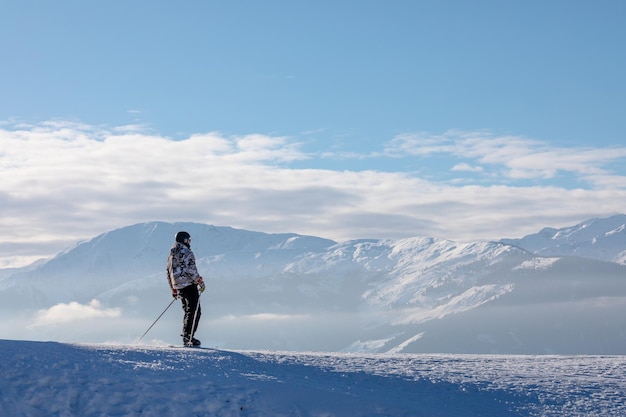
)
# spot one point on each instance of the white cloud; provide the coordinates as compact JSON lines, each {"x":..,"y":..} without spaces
{"x":465,"y":167}
{"x":519,"y":157}
{"x":74,"y":312}
{"x":64,"y":182}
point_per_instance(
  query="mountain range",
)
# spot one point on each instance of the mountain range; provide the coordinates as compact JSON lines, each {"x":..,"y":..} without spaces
{"x":556,"y":291}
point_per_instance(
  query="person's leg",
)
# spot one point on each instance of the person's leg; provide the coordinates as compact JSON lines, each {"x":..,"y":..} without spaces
{"x":189,"y":296}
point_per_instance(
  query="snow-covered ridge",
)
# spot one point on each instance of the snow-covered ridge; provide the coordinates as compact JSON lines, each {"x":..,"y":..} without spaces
{"x":601,"y":239}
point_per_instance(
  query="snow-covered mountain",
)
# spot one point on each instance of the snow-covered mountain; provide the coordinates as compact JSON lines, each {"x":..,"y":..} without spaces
{"x":602,"y":239}
{"x":293,"y":292}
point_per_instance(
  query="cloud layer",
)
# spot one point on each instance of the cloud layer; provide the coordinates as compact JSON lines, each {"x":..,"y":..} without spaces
{"x":61,"y":314}
{"x":63,"y":182}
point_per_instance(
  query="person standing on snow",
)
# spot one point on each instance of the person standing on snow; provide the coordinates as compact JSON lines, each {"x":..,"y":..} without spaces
{"x":186,"y":284}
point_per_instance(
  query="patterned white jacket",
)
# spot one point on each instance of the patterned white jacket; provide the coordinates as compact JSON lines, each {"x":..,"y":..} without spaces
{"x":181,"y":267}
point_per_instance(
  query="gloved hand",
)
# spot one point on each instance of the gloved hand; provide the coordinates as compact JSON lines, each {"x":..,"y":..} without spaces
{"x":201,"y":286}
{"x":175,"y":293}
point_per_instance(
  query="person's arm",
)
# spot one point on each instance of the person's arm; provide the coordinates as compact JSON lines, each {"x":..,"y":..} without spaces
{"x":170,"y":275}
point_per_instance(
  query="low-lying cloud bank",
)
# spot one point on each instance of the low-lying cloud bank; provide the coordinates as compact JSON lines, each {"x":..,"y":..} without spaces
{"x":65,"y":313}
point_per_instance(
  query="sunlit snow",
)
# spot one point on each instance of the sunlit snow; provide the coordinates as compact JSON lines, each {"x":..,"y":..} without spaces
{"x":53,"y":379}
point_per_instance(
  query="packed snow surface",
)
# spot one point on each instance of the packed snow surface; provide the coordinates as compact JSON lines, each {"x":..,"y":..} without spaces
{"x":58,"y":379}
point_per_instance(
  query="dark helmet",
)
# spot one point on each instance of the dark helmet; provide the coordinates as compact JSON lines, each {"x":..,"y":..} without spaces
{"x":181,"y":237}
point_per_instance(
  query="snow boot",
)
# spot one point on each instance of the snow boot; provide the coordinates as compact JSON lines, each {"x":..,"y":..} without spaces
{"x":191,"y":342}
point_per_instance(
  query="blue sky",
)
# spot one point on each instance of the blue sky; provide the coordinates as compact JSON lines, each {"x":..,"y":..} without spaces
{"x":457,"y":119}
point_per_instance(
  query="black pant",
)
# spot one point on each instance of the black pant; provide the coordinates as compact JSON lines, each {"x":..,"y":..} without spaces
{"x":190,"y":297}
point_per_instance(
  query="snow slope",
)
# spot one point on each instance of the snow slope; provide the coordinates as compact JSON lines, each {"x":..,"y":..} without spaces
{"x":602,"y":239}
{"x":55,"y":379}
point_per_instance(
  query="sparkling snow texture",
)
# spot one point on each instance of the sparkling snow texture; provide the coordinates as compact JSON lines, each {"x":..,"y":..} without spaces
{"x":55,"y":379}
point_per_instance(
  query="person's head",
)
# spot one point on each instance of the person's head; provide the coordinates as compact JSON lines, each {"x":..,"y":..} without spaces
{"x":184,"y":238}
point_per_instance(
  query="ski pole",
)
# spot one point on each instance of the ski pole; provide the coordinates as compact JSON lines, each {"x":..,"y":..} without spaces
{"x":157,"y":319}
{"x":195,"y":315}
